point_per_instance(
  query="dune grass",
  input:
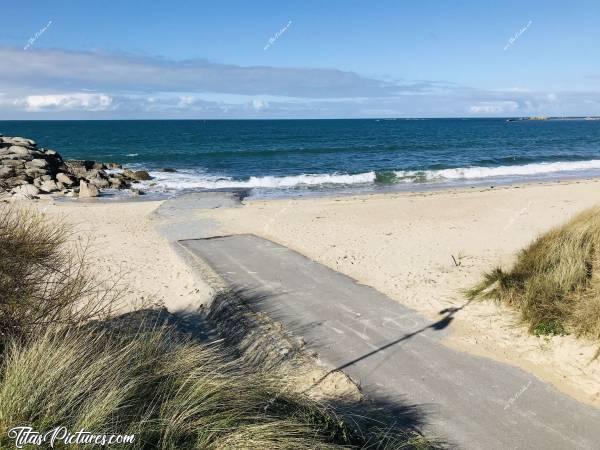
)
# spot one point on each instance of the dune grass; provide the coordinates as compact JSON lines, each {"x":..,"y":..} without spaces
{"x":555,"y":281}
{"x":42,"y":279}
{"x":168,"y":393}
{"x":65,"y":362}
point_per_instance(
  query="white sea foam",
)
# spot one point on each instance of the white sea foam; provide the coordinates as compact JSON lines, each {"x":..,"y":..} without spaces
{"x":198,"y":179}
{"x":191,"y":180}
{"x":470,"y":173}
{"x":132,"y":154}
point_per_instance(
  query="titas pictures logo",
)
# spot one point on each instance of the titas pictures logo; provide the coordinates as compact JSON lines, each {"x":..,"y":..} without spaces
{"x":61,"y":435}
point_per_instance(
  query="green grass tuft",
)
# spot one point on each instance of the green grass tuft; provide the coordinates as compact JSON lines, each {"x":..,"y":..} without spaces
{"x":555,"y":281}
{"x":549,"y":328}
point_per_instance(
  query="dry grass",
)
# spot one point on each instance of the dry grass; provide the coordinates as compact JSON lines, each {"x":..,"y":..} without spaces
{"x":144,"y":377}
{"x":555,"y":282}
{"x":168,"y":393}
{"x":43,"y":280}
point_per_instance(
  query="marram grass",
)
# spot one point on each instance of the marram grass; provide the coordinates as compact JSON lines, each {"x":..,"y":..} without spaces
{"x":65,"y":363}
{"x":555,"y":281}
{"x":169,"y":394}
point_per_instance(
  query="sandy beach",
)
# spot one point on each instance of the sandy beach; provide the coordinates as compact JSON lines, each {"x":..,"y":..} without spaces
{"x":124,"y":245}
{"x":419,"y":248}
{"x":403,"y":245}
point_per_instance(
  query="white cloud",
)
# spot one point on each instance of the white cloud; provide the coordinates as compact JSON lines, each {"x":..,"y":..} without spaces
{"x":43,"y":68}
{"x":184,"y":101}
{"x":259,"y":105}
{"x":66,"y":102}
{"x":515,"y":89}
{"x":494,"y":107}
{"x":72,"y":85}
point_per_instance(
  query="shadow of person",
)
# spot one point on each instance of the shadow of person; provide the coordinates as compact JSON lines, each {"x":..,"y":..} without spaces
{"x":438,"y":325}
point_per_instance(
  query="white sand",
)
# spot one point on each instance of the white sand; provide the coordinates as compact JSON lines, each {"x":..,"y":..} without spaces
{"x":125,"y":244}
{"x":402,"y":244}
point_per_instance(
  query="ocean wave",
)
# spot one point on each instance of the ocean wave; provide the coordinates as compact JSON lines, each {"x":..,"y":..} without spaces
{"x":479,"y":172}
{"x":189,"y":180}
{"x":197,"y":179}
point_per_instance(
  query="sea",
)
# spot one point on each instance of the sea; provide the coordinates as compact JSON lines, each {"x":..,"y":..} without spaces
{"x":280,"y":158}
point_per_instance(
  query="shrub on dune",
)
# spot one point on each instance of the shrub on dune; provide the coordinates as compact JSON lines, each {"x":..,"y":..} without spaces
{"x":555,"y":281}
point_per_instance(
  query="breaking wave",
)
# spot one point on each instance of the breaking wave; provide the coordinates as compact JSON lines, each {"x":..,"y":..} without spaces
{"x":197,"y":179}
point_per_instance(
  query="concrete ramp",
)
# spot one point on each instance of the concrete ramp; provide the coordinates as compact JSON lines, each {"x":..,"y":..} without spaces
{"x":395,"y":354}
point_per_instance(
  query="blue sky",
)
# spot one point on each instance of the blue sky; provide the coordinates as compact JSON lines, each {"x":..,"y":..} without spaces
{"x":201,"y":59}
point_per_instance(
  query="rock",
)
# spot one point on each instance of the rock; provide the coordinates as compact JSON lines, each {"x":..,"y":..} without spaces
{"x":23,"y":163}
{"x":168,"y":170}
{"x":13,"y":162}
{"x":27,"y":190}
{"x":65,"y":179}
{"x":10,"y":156}
{"x":136,"y":192}
{"x":19,"y":150}
{"x":87,"y":190}
{"x":95,"y":173}
{"x":79,"y":167}
{"x":41,"y":180}
{"x":117,"y":183}
{"x":49,"y":186}
{"x":34,"y":173}
{"x":100,"y":182}
{"x":21,"y":140}
{"x":138,"y":175}
{"x":6,"y":172}
{"x":141,"y":175}
{"x":37,"y":163}
{"x":17,"y":180}
{"x":80,"y":163}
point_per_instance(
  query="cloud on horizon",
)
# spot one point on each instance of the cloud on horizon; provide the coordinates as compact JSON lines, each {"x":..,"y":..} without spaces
{"x":69,"y":84}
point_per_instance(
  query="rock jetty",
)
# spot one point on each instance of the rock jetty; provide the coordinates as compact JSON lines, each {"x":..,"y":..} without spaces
{"x":29,"y":171}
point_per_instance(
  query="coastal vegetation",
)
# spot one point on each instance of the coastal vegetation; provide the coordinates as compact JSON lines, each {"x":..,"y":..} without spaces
{"x":67,"y":359}
{"x":555,"y":281}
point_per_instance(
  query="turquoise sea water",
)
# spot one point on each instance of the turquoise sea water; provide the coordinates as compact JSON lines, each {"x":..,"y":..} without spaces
{"x":281,"y":157}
